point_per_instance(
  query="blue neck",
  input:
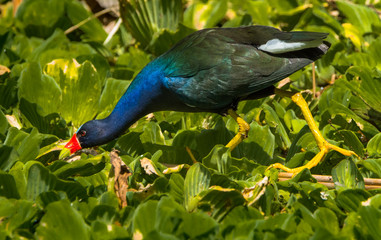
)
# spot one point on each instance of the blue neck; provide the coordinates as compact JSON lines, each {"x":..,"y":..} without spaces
{"x":141,"y":98}
{"x":146,"y":94}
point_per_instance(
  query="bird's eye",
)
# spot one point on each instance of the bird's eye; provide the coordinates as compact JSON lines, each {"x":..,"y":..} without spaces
{"x":82,"y":133}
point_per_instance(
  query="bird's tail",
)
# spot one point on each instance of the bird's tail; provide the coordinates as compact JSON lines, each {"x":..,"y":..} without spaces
{"x":314,"y":53}
{"x":308,"y":54}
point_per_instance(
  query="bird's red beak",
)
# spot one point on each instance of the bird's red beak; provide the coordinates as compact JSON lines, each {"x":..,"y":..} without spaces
{"x":73,"y":145}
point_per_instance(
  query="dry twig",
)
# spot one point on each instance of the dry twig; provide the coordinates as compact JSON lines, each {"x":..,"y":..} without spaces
{"x":83,"y":22}
{"x":370,"y":183}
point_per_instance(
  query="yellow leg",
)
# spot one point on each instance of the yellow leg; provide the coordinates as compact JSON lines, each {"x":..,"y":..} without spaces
{"x":244,"y":128}
{"x":324,"y":146}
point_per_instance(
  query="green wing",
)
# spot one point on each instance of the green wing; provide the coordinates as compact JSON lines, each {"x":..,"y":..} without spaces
{"x":212,"y":68}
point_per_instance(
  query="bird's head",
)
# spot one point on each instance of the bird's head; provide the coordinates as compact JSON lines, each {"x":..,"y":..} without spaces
{"x":89,"y":134}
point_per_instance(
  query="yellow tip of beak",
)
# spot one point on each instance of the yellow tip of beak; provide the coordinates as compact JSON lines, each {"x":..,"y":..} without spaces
{"x":64,"y":153}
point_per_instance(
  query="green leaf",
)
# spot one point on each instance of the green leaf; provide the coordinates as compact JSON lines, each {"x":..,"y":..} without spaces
{"x":300,"y":158}
{"x":85,"y":167}
{"x":73,"y":190}
{"x":62,"y":221}
{"x":199,"y":224}
{"x":347,"y":175}
{"x":327,"y":219}
{"x":155,"y":218}
{"x":147,"y":20}
{"x":290,"y":14}
{"x":351,"y":199}
{"x":58,"y":46}
{"x":152,"y":134}
{"x":45,"y":198}
{"x":167,"y":38}
{"x":39,"y":180}
{"x":92,"y":30}
{"x":369,"y":88}
{"x":186,"y":138}
{"x":3,"y":123}
{"x":8,"y":157}
{"x":7,"y":18}
{"x":38,"y":88}
{"x":259,"y":11}
{"x":205,"y":14}
{"x":339,"y":109}
{"x":49,"y":124}
{"x":100,"y":63}
{"x":351,"y":140}
{"x":359,"y":15}
{"x":374,"y":146}
{"x":241,"y":214}
{"x":260,"y":144}
{"x":196,"y":181}
{"x":219,"y":158}
{"x":134,"y":60}
{"x":131,"y":144}
{"x":373,"y":165}
{"x":26,"y":145}
{"x":103,"y":213}
{"x":16,"y":214}
{"x":168,"y":215}
{"x":101,"y":230}
{"x":374,"y":51}
{"x":374,"y":201}
{"x":112,"y":92}
{"x":39,"y":17}
{"x":327,"y":18}
{"x":18,"y":172}
{"x":79,"y":102}
{"x":97,"y":181}
{"x":340,"y":94}
{"x":302,"y":140}
{"x":8,"y":186}
{"x":209,"y":138}
{"x":8,"y":92}
{"x":369,"y":222}
{"x":109,"y":198}
{"x":222,"y":201}
{"x":176,"y":187}
{"x":273,"y":120}
{"x":144,"y":218}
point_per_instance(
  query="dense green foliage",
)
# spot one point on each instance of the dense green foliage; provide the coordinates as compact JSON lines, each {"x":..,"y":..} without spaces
{"x":58,"y":80}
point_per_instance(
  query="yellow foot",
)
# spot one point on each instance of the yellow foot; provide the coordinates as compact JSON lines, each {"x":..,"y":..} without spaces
{"x":324,"y":146}
{"x":314,"y":161}
{"x":244,"y":128}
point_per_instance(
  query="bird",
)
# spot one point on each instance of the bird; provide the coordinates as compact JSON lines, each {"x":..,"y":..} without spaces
{"x":212,"y":70}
